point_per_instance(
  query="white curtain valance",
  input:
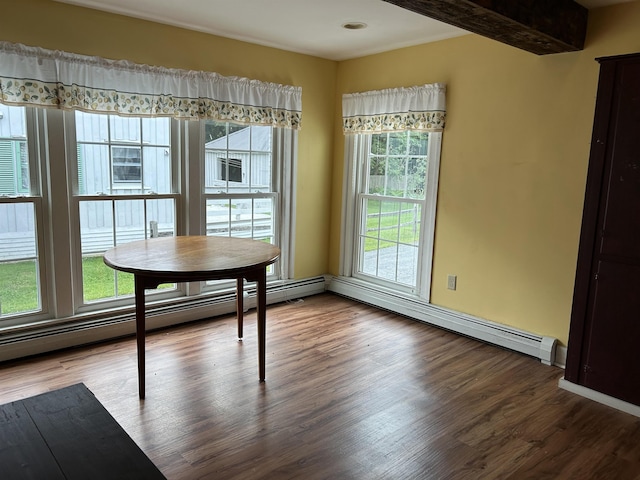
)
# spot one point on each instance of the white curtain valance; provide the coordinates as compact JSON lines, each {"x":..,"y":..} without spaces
{"x":395,"y":109}
{"x":47,"y":78}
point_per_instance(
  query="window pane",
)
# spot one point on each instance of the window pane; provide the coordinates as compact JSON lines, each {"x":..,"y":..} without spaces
{"x":127,"y":164}
{"x":398,"y":143}
{"x":14,"y":159}
{"x":416,"y":176}
{"x":396,"y":177}
{"x":157,"y":169}
{"x":379,"y":144}
{"x":91,"y":127}
{"x":106,"y":223}
{"x":93,"y":169}
{"x":377,"y":175}
{"x":156,"y":131}
{"x":418,"y":142}
{"x":125,"y":129}
{"x":19,"y":285}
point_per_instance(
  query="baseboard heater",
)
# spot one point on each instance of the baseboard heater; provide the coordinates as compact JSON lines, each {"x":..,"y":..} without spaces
{"x":518,"y":340}
{"x":90,"y":328}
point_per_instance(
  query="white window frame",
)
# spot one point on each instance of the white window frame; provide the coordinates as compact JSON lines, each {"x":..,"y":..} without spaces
{"x":354,"y":184}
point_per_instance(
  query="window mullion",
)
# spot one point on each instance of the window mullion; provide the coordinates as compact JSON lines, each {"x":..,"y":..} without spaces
{"x":60,"y":128}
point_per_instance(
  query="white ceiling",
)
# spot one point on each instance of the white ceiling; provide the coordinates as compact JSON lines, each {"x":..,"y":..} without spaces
{"x":313,"y":27}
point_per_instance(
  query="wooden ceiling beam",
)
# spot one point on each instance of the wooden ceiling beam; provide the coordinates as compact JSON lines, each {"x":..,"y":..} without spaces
{"x":538,"y":26}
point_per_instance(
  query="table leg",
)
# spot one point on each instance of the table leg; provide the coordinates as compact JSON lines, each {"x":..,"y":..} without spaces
{"x":240,"y":304}
{"x":140,"y":332}
{"x":261,"y":314}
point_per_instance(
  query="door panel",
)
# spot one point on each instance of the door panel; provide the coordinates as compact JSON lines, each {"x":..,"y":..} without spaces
{"x":612,"y":363}
{"x":621,"y":222}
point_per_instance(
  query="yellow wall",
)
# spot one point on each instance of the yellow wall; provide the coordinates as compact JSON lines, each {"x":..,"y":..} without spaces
{"x":513,"y":166}
{"x":514,"y":155}
{"x":53,"y":25}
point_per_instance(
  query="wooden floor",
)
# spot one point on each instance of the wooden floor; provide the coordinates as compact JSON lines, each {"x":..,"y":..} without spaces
{"x":352,"y":392}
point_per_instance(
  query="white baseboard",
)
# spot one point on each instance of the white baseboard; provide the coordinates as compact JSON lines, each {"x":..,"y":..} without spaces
{"x":92,"y":328}
{"x":538,"y":346}
{"x":600,"y":397}
{"x":561,"y":356}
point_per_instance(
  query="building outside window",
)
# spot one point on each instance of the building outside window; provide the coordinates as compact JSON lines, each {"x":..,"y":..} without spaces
{"x":126,"y":164}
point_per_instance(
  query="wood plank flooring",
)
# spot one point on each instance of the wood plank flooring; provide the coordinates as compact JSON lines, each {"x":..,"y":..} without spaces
{"x":352,"y":392}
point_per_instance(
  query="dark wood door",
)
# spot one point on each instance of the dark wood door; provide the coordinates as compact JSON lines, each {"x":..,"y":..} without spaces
{"x":604,"y":343}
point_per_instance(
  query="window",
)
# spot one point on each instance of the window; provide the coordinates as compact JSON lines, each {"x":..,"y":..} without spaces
{"x":126,"y":182}
{"x":127,"y":193}
{"x":389,"y":204}
{"x":73,"y":184}
{"x":241,"y":189}
{"x":21,"y":289}
{"x":394,"y":208}
{"x":391,"y":200}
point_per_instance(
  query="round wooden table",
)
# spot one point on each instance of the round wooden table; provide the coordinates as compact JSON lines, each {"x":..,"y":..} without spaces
{"x":195,"y":258}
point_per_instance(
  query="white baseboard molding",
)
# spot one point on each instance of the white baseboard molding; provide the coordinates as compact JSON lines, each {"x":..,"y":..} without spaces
{"x":537,"y":346}
{"x":600,"y":397}
{"x":92,"y":328}
{"x":561,"y":356}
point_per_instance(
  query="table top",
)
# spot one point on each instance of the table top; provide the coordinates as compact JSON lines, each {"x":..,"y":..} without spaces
{"x":191,"y":256}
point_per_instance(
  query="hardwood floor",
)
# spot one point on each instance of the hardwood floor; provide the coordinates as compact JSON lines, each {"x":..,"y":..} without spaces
{"x":352,"y":392}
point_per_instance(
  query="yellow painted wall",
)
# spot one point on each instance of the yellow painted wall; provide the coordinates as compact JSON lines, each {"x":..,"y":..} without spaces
{"x":513,"y":166}
{"x":52,"y":25}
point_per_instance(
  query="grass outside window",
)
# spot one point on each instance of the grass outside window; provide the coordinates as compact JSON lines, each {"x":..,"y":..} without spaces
{"x":18,"y":281}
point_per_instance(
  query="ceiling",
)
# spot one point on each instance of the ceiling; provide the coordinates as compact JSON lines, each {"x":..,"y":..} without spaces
{"x":313,"y":27}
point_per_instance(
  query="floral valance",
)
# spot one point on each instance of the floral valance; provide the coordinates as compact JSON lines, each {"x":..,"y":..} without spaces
{"x":46,"y":78}
{"x":395,"y":109}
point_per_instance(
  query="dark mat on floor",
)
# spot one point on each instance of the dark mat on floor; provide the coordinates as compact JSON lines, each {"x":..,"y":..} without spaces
{"x":67,"y":434}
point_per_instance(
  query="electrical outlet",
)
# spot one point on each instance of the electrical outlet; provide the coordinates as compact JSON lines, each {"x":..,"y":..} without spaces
{"x":451,"y":282}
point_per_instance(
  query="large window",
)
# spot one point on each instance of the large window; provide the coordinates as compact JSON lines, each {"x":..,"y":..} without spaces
{"x":392,"y":158}
{"x":112,"y":180}
{"x":393,"y":211}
